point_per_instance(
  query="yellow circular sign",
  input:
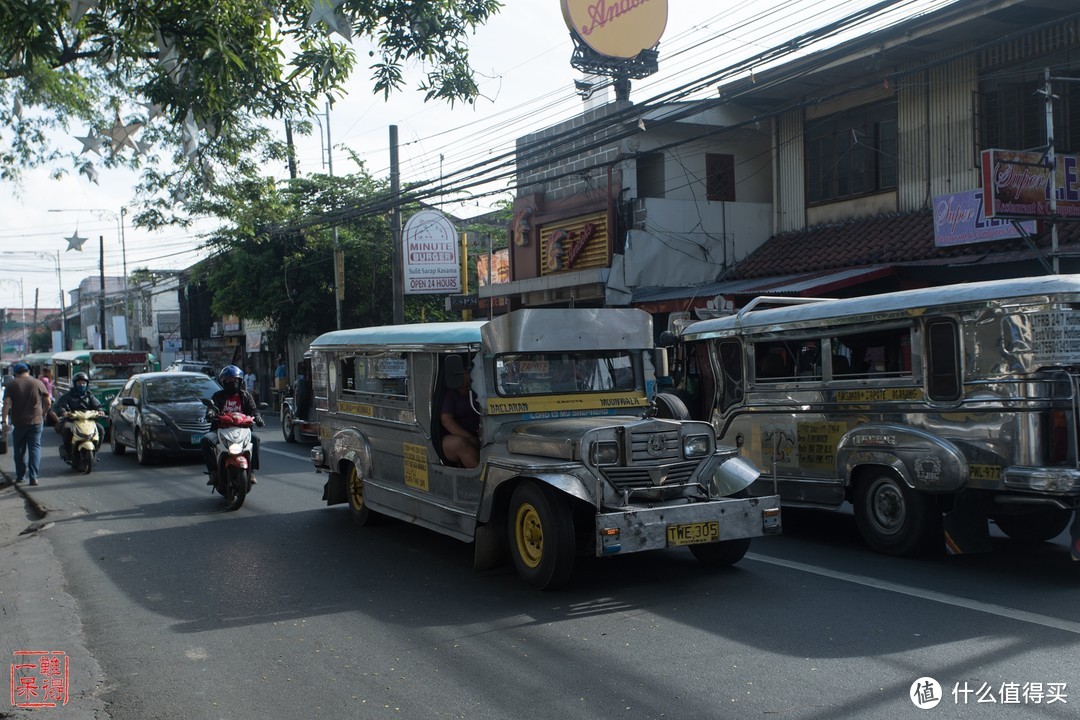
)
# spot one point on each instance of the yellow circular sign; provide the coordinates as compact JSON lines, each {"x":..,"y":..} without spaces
{"x":616,"y":28}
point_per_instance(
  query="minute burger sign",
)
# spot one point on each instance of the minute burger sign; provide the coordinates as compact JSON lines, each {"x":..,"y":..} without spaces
{"x":617,"y":28}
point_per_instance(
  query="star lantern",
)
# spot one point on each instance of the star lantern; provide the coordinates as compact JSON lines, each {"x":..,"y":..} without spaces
{"x":75,"y":242}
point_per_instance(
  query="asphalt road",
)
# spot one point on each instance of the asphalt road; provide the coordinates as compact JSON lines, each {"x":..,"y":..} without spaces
{"x":168,"y":607}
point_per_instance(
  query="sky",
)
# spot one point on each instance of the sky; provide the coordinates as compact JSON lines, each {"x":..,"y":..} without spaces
{"x":522,"y":60}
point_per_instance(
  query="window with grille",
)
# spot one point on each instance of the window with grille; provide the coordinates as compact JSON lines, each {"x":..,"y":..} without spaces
{"x":851,"y":153}
{"x":720,"y":177}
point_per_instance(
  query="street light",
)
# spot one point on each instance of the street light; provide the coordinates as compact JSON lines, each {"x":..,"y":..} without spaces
{"x":119,"y":218}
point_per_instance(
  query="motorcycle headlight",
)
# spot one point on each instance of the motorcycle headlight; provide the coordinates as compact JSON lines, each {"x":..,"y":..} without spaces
{"x":236,"y":449}
{"x":153,"y":420}
{"x":605,"y":453}
{"x":695,"y":446}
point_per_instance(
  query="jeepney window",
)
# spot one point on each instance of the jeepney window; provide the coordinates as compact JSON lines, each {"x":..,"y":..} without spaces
{"x":375,"y":374}
{"x":942,"y":360}
{"x":787,"y":360}
{"x":546,"y":373}
{"x":730,"y":356}
{"x":62,"y":372}
{"x":872,"y":354}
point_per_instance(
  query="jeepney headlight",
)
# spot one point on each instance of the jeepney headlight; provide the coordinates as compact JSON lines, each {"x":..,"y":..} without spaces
{"x":695,"y":446}
{"x":605,"y":453}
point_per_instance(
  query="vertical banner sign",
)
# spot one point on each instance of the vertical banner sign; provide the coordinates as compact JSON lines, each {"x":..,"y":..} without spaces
{"x":431,"y":255}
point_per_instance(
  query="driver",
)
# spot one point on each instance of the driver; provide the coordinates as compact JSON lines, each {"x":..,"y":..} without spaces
{"x":232,"y":398}
{"x":78,"y":397}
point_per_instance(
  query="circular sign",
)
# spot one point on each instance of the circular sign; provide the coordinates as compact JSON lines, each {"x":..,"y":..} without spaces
{"x":616,"y":28}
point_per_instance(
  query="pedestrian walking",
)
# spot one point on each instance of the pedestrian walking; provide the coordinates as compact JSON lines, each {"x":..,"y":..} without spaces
{"x":251,"y":382}
{"x":25,"y":403}
{"x":47,"y":380}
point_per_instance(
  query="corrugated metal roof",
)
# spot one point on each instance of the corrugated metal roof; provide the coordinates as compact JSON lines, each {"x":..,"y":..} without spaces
{"x":792,"y":284}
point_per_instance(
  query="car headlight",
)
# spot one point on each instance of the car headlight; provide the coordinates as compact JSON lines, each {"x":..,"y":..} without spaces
{"x":695,"y":446}
{"x":605,"y":453}
{"x":150,"y":419}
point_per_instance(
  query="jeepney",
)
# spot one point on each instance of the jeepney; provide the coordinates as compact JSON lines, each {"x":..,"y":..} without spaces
{"x":108,"y":371}
{"x":573,"y":456}
{"x":931,"y":411}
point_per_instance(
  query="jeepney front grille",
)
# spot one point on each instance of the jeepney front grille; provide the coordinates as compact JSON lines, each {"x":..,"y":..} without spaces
{"x":648,"y":476}
{"x":654,"y":447}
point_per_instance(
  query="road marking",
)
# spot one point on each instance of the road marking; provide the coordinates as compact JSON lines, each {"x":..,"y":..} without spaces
{"x":932,"y":596}
{"x":283,"y":453}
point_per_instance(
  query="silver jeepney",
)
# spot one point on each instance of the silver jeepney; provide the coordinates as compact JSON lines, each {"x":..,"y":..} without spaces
{"x":932,"y":411}
{"x":574,"y":455}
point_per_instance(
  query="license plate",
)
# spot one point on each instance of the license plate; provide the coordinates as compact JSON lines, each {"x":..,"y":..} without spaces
{"x":693,"y":533}
{"x":196,"y":439}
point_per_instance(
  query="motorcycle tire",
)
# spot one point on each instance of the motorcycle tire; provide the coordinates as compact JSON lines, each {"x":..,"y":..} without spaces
{"x":236,"y":485}
{"x":86,"y":461}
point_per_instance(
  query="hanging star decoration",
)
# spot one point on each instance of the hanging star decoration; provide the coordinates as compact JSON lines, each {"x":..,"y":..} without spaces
{"x":90,"y":171}
{"x":123,"y":135}
{"x":79,"y":8}
{"x":75,"y":242}
{"x":329,"y":13}
{"x":153,"y":110}
{"x":16,"y":108}
{"x":191,"y":136}
{"x":169,"y":57}
{"x":90,"y":142}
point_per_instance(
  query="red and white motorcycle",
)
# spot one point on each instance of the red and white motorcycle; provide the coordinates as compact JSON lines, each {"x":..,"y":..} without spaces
{"x":232,"y":453}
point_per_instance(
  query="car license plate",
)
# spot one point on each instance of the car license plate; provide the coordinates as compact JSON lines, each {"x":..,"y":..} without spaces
{"x":693,"y":533}
{"x":196,"y":439}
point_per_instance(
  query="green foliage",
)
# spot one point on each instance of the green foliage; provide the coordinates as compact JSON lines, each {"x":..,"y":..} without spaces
{"x":40,"y":341}
{"x":229,"y":65}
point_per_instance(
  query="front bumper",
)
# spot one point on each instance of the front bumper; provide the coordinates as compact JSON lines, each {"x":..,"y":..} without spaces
{"x":647,"y":528}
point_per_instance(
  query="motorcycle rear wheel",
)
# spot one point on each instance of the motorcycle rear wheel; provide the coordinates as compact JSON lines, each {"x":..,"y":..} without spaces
{"x":236,"y":485}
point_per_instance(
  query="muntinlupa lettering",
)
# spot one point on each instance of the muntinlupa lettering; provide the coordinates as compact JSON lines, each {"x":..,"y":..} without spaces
{"x":604,"y":11}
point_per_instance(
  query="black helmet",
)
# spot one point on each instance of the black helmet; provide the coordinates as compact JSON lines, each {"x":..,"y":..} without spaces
{"x":230,"y":372}
{"x":80,"y":376}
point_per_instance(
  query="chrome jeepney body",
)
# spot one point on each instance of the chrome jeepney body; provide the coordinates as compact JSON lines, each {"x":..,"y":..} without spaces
{"x":959,"y":400}
{"x":587,"y":445}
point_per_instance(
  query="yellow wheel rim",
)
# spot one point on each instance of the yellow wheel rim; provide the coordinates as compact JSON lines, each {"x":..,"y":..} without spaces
{"x":529,"y":533}
{"x":356,"y":489}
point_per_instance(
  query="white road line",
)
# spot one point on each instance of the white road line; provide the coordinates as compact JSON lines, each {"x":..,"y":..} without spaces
{"x":294,"y":456}
{"x":999,"y":610}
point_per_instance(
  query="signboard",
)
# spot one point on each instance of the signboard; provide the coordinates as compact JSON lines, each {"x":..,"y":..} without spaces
{"x":499,"y":271}
{"x":616,"y":28}
{"x":574,"y":244}
{"x":959,"y":220}
{"x":1017,"y":184}
{"x":432,"y":264}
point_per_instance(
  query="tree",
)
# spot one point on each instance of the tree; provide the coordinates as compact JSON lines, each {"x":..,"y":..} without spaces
{"x":201,"y":77}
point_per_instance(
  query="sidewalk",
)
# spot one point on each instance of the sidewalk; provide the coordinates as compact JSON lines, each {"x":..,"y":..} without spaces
{"x":36,"y":612}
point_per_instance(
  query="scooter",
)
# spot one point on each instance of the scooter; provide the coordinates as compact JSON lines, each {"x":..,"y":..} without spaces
{"x":85,"y":440}
{"x":233,"y":454}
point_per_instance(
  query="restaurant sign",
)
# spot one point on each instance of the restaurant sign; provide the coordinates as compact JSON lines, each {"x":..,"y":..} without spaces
{"x":1017,"y":184}
{"x":432,"y":264}
{"x":959,"y":220}
{"x":617,"y":28}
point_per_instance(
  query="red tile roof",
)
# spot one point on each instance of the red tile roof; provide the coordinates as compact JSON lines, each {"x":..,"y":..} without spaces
{"x":901,"y":238}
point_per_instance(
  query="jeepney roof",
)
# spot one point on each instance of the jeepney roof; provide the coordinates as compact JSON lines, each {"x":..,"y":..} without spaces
{"x":903,"y":303}
{"x":414,"y":335}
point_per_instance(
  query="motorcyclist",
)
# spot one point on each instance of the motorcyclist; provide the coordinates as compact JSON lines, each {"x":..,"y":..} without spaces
{"x":78,"y":397}
{"x":232,"y":398}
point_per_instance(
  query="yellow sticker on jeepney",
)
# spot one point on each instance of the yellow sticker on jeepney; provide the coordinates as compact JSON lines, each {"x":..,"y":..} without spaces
{"x":984,"y":472}
{"x":555,"y":403}
{"x":869,"y":395}
{"x":356,"y":409}
{"x":416,"y":466}
{"x":817,"y":443}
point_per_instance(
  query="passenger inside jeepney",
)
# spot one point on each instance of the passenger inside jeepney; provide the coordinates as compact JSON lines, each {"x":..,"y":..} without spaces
{"x":460,"y":420}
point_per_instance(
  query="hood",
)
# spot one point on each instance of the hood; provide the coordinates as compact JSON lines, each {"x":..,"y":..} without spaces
{"x":561,"y":437}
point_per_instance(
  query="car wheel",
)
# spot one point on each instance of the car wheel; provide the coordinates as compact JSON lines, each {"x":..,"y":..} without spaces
{"x":118,"y":448}
{"x":287,"y":422}
{"x":142,"y":454}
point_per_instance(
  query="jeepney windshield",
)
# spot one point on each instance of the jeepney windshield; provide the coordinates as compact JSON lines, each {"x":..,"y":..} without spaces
{"x":519,"y":374}
{"x":116,"y":372}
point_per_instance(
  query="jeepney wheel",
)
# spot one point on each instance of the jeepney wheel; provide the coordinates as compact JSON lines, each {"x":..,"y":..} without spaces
{"x":354,"y":484}
{"x":287,"y":421}
{"x":893,"y":518}
{"x":721,"y":554}
{"x":1035,"y":527}
{"x":670,"y":406}
{"x":541,"y":536}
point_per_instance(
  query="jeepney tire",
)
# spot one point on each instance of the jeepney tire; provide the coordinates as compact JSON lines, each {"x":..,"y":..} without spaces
{"x":1036,"y":527}
{"x":361,"y":514}
{"x":540,"y":534}
{"x":721,"y":554}
{"x":893,"y":518}
{"x":287,"y":421}
{"x":671,"y":407}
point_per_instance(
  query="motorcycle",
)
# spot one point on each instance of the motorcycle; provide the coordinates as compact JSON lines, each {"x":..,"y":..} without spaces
{"x":85,"y":440}
{"x":233,"y":454}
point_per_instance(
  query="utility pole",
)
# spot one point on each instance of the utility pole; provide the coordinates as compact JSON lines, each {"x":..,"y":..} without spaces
{"x":395,"y":230}
{"x":101,"y":298}
{"x":339,"y":257}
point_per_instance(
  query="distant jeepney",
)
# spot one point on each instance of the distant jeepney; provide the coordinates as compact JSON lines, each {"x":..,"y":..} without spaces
{"x":573,"y":458}
{"x":931,"y":411}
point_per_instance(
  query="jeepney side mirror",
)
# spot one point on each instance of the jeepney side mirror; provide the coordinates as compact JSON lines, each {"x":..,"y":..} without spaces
{"x":668,"y":339}
{"x":453,"y":370}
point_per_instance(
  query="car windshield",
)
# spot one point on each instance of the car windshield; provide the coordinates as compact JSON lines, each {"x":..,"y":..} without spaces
{"x":564,"y":372}
{"x":179,"y":389}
